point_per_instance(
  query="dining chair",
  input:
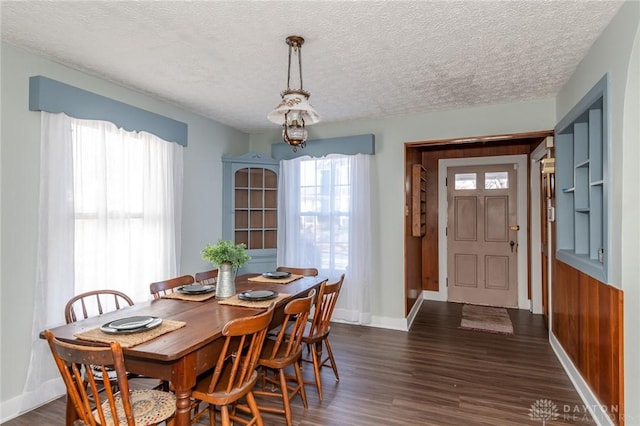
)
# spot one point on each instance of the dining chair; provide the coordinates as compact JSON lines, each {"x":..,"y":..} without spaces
{"x":283,"y":351}
{"x":98,"y":302}
{"x":235,"y":372}
{"x":207,"y":277}
{"x":77,"y":363}
{"x":317,"y":331}
{"x":307,"y":272}
{"x":95,"y":302}
{"x":160,"y":288}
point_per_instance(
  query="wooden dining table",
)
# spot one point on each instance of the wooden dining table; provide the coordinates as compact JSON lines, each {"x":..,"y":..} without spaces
{"x":179,"y":356}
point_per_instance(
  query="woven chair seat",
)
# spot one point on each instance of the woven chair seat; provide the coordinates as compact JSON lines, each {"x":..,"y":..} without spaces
{"x":149,"y":406}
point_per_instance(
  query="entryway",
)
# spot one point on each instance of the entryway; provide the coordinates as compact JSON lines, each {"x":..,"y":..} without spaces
{"x":425,"y":255}
{"x":485,"y":259}
{"x":482,"y":235}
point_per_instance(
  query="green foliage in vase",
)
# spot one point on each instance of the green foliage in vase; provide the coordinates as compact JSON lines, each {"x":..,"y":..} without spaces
{"x":226,"y":252}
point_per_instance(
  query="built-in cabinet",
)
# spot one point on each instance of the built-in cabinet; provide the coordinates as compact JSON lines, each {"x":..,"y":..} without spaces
{"x":250,"y":207}
{"x":581,"y":175}
{"x":418,"y":200}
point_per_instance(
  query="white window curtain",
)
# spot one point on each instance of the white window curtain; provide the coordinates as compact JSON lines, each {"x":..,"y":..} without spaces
{"x":109,"y":217}
{"x":324,"y":221}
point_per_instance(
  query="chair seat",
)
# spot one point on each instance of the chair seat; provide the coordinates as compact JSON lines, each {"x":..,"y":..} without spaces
{"x":219,"y":396}
{"x":280,"y":359}
{"x":150,"y":407}
{"x":317,"y":337}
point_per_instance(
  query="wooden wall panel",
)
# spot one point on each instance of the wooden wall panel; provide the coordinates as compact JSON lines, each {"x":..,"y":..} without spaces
{"x":588,"y":323}
{"x":412,"y":245}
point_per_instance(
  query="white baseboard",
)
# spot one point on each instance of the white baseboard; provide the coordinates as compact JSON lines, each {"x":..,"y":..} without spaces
{"x":414,"y":311}
{"x":382,"y":322}
{"x":47,"y":392}
{"x":599,"y":412}
{"x":438,"y":296}
{"x":10,"y":409}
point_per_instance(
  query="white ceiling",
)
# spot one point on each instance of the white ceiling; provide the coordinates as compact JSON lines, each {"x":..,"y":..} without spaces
{"x":227,"y":60}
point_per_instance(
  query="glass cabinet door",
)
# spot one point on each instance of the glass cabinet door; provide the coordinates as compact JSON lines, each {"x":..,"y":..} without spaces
{"x":250,"y":207}
{"x":256,"y":207}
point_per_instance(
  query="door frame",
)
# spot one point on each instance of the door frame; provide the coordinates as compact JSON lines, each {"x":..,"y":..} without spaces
{"x":538,"y":153}
{"x":522,"y":199}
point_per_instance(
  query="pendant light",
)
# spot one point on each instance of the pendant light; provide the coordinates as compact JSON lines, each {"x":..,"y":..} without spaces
{"x":294,"y":112}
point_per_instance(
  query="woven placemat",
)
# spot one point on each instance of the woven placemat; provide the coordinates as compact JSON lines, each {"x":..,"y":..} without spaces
{"x":261,"y":279}
{"x":128,"y":340}
{"x":190,"y":297}
{"x":235,"y":301}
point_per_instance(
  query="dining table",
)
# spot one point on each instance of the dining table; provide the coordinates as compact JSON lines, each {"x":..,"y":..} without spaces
{"x":180,"y":355}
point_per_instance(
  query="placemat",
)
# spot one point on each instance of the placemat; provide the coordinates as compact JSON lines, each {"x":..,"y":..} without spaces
{"x":261,"y":279}
{"x":235,"y":301}
{"x":190,"y":297}
{"x":128,"y":340}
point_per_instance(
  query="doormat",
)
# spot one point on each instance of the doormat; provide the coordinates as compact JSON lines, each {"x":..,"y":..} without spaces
{"x":486,"y":318}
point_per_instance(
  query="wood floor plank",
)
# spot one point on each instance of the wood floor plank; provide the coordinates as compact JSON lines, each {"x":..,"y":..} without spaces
{"x":435,"y":374}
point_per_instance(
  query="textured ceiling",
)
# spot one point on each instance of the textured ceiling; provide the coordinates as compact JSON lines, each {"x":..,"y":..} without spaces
{"x":227,"y":60}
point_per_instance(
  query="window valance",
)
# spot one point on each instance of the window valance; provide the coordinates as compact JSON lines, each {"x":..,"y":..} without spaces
{"x":55,"y":97}
{"x":346,"y":145}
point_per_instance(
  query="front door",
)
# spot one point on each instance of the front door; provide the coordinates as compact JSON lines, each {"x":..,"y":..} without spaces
{"x":481,"y":235}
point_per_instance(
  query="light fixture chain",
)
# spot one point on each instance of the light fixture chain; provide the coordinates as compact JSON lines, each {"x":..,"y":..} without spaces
{"x":289,"y":70}
{"x":300,"y":64}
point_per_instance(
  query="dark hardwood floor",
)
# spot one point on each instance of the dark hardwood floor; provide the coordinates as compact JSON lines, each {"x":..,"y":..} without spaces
{"x":435,"y":374}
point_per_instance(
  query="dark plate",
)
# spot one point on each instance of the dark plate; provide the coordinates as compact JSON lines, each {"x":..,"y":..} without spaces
{"x":196,"y":289}
{"x":107,"y":328}
{"x":130,"y":323}
{"x":276,"y":275}
{"x":257,"y":295}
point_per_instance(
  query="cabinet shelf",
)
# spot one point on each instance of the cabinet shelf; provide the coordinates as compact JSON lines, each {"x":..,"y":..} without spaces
{"x":581,"y":211}
{"x":418,"y":200}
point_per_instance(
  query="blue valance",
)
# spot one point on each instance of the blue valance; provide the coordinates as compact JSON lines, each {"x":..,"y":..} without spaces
{"x":346,"y":145}
{"x":55,"y":97}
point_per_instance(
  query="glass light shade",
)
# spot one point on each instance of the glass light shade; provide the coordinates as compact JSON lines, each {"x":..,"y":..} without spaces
{"x":294,"y":101}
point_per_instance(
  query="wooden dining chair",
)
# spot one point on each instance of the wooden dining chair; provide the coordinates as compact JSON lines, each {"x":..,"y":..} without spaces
{"x":307,"y":272}
{"x":160,"y":288}
{"x":316,"y":333}
{"x":98,"y":302}
{"x":77,"y":363}
{"x":235,"y":372}
{"x":95,"y":302}
{"x":207,"y":277}
{"x":284,"y":351}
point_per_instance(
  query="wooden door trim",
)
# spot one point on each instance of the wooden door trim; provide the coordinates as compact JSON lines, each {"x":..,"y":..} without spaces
{"x":507,"y":138}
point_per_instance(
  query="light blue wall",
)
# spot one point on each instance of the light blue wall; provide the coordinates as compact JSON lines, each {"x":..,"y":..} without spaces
{"x":20,"y":156}
{"x":387,"y":169}
{"x":616,"y":52}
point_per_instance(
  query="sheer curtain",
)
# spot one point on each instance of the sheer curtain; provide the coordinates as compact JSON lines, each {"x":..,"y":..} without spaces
{"x":109,"y":217}
{"x":324,"y":221}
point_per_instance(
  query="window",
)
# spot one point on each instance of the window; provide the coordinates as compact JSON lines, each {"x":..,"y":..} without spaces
{"x":496,"y":180}
{"x":124,"y":228}
{"x":465,"y":181}
{"x":325,"y":192}
{"x":324,"y":221}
